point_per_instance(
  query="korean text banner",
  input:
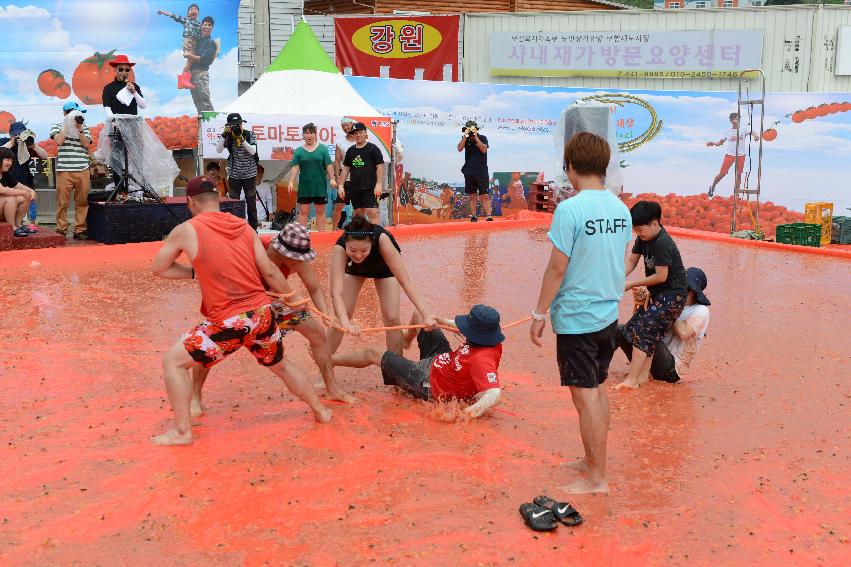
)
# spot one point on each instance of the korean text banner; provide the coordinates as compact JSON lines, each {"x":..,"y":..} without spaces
{"x":279,"y":135}
{"x":673,"y":144}
{"x":59,"y":51}
{"x":422,"y":47}
{"x":662,"y":54}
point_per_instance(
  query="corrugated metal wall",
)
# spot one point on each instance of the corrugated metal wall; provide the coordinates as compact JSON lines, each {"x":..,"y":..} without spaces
{"x":810,"y":28}
{"x":247,"y":48}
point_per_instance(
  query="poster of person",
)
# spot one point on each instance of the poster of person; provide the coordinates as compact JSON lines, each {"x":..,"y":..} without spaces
{"x":182,"y":55}
{"x":674,"y":145}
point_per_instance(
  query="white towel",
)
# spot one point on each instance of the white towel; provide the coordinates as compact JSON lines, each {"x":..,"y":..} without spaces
{"x":70,"y":125}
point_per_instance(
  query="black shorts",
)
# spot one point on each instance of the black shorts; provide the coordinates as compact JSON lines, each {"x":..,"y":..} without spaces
{"x":362,"y":199}
{"x":476,"y":184}
{"x":413,"y":377}
{"x":583,"y":360}
{"x":312,"y":200}
{"x":345,"y":200}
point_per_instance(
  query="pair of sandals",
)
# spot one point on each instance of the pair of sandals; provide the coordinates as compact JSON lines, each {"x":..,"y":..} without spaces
{"x":544,"y":514}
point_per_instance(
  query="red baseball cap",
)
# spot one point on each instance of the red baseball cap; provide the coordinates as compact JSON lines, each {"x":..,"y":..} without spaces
{"x":200,"y":184}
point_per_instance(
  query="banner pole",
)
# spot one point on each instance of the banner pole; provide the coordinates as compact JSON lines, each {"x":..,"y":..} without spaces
{"x":393,"y":217}
{"x":199,"y":151}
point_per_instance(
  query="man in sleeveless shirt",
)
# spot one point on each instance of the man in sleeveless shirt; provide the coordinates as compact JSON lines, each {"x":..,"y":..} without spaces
{"x":231,"y":265}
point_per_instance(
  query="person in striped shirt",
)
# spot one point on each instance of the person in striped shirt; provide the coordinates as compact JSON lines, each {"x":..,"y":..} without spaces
{"x":73,"y":177}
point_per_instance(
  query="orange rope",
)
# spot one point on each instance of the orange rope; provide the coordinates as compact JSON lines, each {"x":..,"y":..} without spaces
{"x":327,"y":320}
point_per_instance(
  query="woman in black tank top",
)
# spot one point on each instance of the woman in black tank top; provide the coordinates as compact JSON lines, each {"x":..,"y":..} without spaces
{"x":365,"y":251}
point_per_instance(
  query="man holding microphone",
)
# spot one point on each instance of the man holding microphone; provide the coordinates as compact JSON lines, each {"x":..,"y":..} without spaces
{"x":115,"y":102}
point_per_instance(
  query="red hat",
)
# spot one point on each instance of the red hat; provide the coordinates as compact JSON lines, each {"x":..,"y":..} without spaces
{"x":200,"y":184}
{"x":120,"y":60}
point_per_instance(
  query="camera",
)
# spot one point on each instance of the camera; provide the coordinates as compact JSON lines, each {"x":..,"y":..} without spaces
{"x":79,"y":119}
{"x":29,"y":140}
{"x":469,"y":130}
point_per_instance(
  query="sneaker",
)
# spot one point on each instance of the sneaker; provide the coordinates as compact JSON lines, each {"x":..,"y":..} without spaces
{"x":29,"y":229}
{"x":81,"y":235}
{"x":474,"y":219}
{"x":20,"y":232}
{"x":60,"y":232}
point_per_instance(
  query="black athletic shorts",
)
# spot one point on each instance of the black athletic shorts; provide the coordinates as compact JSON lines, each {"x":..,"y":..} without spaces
{"x":345,"y":200}
{"x":476,"y":184}
{"x":313,"y":200}
{"x":413,"y":377}
{"x":362,"y":199}
{"x":583,"y":360}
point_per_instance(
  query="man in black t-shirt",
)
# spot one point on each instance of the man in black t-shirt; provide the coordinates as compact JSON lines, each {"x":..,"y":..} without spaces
{"x":475,"y":170}
{"x":364,"y":166}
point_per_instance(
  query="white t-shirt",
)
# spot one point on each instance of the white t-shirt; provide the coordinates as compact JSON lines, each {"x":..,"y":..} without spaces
{"x":684,"y":351}
{"x":267,"y":196}
{"x":731,"y":142}
{"x":345,"y":144}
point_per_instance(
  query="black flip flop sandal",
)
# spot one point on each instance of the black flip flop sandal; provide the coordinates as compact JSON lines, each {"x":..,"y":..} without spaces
{"x":538,"y":518}
{"x":562,"y":511}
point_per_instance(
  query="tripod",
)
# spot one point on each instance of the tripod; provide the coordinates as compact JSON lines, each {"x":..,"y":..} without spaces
{"x":125,"y":177}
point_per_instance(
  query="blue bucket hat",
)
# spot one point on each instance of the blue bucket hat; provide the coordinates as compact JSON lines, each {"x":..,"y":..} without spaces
{"x":696,"y":282}
{"x":15,"y":128}
{"x":481,"y":326}
{"x":72,"y":106}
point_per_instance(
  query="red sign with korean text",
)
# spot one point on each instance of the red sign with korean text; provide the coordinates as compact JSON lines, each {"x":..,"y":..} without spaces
{"x":422,"y":47}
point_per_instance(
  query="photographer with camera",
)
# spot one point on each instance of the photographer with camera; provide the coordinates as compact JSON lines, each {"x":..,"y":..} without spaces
{"x":73,"y":175}
{"x":241,"y":145}
{"x":475,"y":170}
{"x":23,"y":146}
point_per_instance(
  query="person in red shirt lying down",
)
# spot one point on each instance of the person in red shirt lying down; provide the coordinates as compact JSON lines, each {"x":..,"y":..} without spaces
{"x":471,"y":372}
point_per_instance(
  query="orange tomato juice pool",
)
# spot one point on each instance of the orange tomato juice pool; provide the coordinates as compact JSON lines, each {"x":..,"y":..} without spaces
{"x":745,"y":461}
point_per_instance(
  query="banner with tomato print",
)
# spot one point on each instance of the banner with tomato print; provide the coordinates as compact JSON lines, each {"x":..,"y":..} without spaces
{"x":422,"y":47}
{"x":59,"y":51}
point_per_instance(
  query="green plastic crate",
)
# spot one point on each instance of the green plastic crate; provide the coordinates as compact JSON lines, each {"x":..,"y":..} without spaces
{"x":841,"y":233}
{"x":799,"y":233}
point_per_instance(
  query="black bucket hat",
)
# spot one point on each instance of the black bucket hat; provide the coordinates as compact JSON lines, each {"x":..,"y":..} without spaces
{"x":696,"y":282}
{"x":481,"y":326}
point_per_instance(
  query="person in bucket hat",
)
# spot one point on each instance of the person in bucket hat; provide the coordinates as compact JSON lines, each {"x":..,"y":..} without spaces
{"x":291,"y":251}
{"x":470,"y":372}
{"x":676,"y":351}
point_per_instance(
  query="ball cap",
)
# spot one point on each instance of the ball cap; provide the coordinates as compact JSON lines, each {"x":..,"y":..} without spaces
{"x":68,"y":106}
{"x":234,"y":118}
{"x":200,"y":184}
{"x":358,"y":126}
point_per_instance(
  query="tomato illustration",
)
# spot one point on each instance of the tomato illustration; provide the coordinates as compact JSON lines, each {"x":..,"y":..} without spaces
{"x":91,"y":75}
{"x":769,"y":135}
{"x":50,"y":81}
{"x":6,"y":119}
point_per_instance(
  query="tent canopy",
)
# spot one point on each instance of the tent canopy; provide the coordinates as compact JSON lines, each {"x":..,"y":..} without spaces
{"x":302,"y":80}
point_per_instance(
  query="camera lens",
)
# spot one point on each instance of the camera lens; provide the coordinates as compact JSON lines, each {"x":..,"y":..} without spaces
{"x":29,"y":140}
{"x":79,"y":119}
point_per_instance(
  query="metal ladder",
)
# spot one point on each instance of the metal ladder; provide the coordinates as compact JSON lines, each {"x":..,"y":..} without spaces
{"x":744,"y":191}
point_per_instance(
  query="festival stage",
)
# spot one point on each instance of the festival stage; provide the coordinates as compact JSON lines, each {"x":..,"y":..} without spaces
{"x":742,"y":463}
{"x":112,"y":223}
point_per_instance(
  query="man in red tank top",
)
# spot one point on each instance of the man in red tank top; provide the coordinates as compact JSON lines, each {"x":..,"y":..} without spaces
{"x":290,"y":250}
{"x":231,"y":265}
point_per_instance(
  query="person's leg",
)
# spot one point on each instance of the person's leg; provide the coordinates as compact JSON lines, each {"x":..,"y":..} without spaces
{"x":641,"y":327}
{"x":664,"y":365}
{"x":21,"y":211}
{"x":249,"y":186}
{"x":321,"y":221}
{"x":408,"y":335}
{"x":82,"y":182}
{"x":484,"y":198}
{"x":176,"y":362}
{"x":388,"y":298}
{"x":64,"y":185}
{"x":335,"y":215}
{"x":201,"y":80}
{"x":303,"y":212}
{"x":359,"y":358}
{"x":592,"y":405}
{"x":234,"y":188}
{"x":623,"y":342}
{"x":372,"y":215}
{"x":7,"y":209}
{"x":199,"y":376}
{"x":474,"y":205}
{"x":725,"y":168}
{"x":311,"y":330}
{"x":412,"y":377}
{"x":740,"y":163}
{"x":298,"y":383}
{"x":351,"y":288}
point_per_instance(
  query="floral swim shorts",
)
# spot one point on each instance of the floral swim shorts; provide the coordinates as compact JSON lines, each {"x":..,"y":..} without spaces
{"x":287,"y":318}
{"x":211,"y":342}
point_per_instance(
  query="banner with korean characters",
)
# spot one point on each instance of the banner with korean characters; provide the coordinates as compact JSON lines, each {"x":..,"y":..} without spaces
{"x":279,"y":135}
{"x":422,"y":47}
{"x":654,"y":54}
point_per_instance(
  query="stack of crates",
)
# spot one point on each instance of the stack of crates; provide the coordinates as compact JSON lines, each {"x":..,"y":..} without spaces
{"x":820,"y":213}
{"x":541,"y":197}
{"x":841,"y":233}
{"x":799,"y":233}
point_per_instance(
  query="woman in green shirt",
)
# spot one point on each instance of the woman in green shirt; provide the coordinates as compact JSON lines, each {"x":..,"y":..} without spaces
{"x":312,"y":164}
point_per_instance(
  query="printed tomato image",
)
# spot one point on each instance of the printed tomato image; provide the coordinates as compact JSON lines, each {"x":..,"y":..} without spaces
{"x":52,"y":83}
{"x":282,"y":153}
{"x":769,"y":135}
{"x":6,"y":119}
{"x":91,"y":75}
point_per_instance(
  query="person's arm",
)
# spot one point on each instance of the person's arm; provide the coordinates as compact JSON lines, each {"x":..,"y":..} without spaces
{"x":270,"y":273}
{"x":659,"y":277}
{"x":338,"y":159}
{"x":165,"y":262}
{"x":220,"y":146}
{"x":137,"y":94}
{"x":85,"y":137}
{"x":9,"y":143}
{"x":553,"y":277}
{"x":311,"y":283}
{"x":250,"y":147}
{"x":108,"y":111}
{"x":462,"y":143}
{"x":394,"y":261}
{"x":683,"y":329}
{"x":480,"y":144}
{"x":329,"y":169}
{"x":379,"y":175}
{"x":718,"y":143}
{"x":338,"y":270}
{"x":486,"y":400}
{"x":631,"y":262}
{"x":341,"y":181}
{"x":39,"y":151}
{"x":58,"y":136}
{"x":293,"y":174}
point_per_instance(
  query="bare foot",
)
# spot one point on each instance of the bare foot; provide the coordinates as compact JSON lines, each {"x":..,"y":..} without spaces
{"x":195,"y":408}
{"x":340,"y":396}
{"x":585,"y":486}
{"x":322,"y":415}
{"x":627,"y":384}
{"x":173,"y":437}
{"x":581,"y":466}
